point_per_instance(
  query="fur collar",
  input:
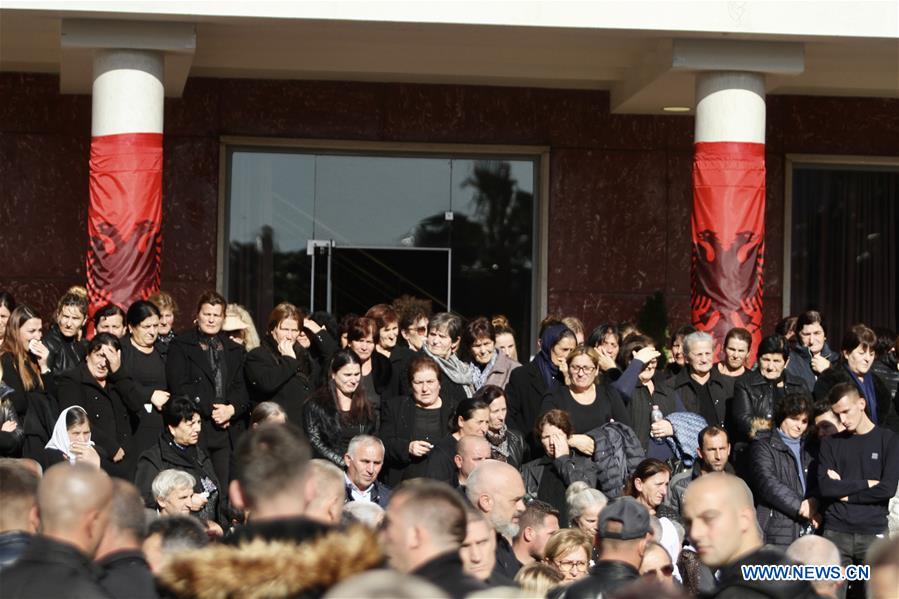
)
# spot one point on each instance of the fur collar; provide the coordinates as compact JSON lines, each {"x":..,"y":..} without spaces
{"x":260,"y":569}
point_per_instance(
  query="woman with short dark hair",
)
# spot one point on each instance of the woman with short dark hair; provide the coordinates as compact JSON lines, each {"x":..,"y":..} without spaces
{"x":92,"y":386}
{"x":412,"y":424}
{"x":339,"y":410}
{"x":178,"y":447}
{"x":142,"y":383}
{"x":469,"y":419}
{"x":854,"y":366}
{"x":547,"y":477}
{"x":376,"y":371}
{"x":491,"y":366}
{"x":457,"y":378}
{"x":507,"y":444}
{"x":110,"y":319}
{"x":737,"y":344}
{"x":759,"y":392}
{"x":779,"y":476}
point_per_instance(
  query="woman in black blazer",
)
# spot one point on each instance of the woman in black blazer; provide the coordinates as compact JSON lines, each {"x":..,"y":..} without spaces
{"x":206,"y":366}
{"x":411,"y":425}
{"x":376,"y":371}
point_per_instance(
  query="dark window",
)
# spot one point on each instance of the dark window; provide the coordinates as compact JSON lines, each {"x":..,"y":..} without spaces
{"x":844,"y":249}
{"x":457,"y":230}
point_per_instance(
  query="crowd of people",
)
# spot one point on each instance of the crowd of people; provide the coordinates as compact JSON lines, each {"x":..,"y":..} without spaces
{"x":402,"y":453}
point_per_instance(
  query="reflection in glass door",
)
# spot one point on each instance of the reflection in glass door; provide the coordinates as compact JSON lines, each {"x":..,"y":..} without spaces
{"x":456,"y":230}
{"x":350,"y":279}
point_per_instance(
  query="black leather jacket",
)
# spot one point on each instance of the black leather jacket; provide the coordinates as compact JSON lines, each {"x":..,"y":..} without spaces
{"x":754,"y":398}
{"x":65,"y":352}
{"x":325,"y":427}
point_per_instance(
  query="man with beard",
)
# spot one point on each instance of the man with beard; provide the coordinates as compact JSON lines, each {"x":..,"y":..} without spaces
{"x":497,"y":490}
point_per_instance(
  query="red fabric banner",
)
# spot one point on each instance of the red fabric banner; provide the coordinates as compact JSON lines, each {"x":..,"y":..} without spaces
{"x":124,"y":218}
{"x":728,"y":226}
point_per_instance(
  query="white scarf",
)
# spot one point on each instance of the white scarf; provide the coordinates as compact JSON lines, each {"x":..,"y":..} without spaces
{"x":60,"y":439}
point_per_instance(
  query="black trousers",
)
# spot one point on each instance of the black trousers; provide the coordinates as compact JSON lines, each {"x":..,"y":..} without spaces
{"x":853,"y":548}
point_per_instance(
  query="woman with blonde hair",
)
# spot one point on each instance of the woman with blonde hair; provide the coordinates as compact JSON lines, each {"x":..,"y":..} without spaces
{"x":239,"y":326}
{"x":568,"y":550}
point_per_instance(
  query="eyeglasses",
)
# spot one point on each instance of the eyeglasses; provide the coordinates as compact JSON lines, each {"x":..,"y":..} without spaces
{"x":663,"y":571}
{"x":569,"y":565}
{"x":419,"y":330}
{"x":584,"y":369}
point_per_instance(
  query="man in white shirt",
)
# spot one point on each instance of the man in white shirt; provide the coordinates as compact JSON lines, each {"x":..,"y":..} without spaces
{"x":364,"y":459}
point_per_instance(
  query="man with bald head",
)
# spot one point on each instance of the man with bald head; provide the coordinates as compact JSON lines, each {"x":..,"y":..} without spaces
{"x":470,"y":451}
{"x":423,"y":530}
{"x":719,"y":513}
{"x":497,"y":489}
{"x":818,"y":551}
{"x":73,"y":501}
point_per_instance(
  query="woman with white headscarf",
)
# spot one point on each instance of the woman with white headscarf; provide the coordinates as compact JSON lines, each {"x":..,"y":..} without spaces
{"x":71,"y":440}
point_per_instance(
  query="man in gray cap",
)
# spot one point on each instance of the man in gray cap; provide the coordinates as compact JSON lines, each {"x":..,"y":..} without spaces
{"x":622,"y":535}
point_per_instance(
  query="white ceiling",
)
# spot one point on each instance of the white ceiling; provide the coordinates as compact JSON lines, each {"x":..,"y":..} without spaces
{"x":635,"y":66}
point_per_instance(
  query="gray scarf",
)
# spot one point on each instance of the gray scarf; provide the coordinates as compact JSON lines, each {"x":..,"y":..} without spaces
{"x":459,"y":372}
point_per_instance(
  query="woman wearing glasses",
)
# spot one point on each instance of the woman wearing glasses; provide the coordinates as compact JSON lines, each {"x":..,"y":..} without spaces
{"x":589,"y":403}
{"x":568,"y":550}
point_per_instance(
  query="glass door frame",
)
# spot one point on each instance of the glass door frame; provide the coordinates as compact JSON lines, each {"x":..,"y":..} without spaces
{"x":540,"y":155}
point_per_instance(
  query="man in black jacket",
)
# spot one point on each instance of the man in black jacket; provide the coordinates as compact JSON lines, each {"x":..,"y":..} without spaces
{"x":700,"y":387}
{"x":622,"y":535}
{"x":719,"y":514}
{"x":74,"y":506}
{"x":18,"y":509}
{"x":858,"y":470}
{"x":125,"y":571}
{"x":424,"y":528}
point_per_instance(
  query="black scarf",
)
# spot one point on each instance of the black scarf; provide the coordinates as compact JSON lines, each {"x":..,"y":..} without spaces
{"x":215,"y":351}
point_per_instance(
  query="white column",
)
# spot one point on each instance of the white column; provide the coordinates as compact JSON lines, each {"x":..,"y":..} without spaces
{"x":128,"y":92}
{"x":730,"y":107}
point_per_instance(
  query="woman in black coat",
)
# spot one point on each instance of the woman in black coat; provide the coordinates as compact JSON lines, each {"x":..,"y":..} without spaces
{"x":856,"y":357}
{"x":26,"y":371}
{"x":67,"y":350}
{"x":141,"y":381}
{"x":412,"y":425}
{"x":506,"y":444}
{"x":547,"y":477}
{"x":780,"y":481}
{"x":206,"y":366}
{"x":649,"y":389}
{"x":529,"y":384}
{"x":339,"y":410}
{"x":376,"y":370}
{"x":757,"y":393}
{"x":91,"y":385}
{"x":280,"y":369}
{"x":178,"y":448}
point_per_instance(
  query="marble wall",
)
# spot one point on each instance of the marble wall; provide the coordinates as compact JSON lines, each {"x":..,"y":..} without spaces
{"x":620,"y":185}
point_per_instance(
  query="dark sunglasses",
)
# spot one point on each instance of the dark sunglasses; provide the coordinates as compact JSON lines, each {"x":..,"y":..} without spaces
{"x":663,"y":571}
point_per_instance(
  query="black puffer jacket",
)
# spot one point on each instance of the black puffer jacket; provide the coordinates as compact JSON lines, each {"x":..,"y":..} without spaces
{"x":65,"y":352}
{"x":777,"y":488}
{"x":329,"y":432}
{"x":754,"y":397}
{"x":733,"y":585}
{"x":284,"y":380}
{"x":887,"y":412}
{"x":885,"y":368}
